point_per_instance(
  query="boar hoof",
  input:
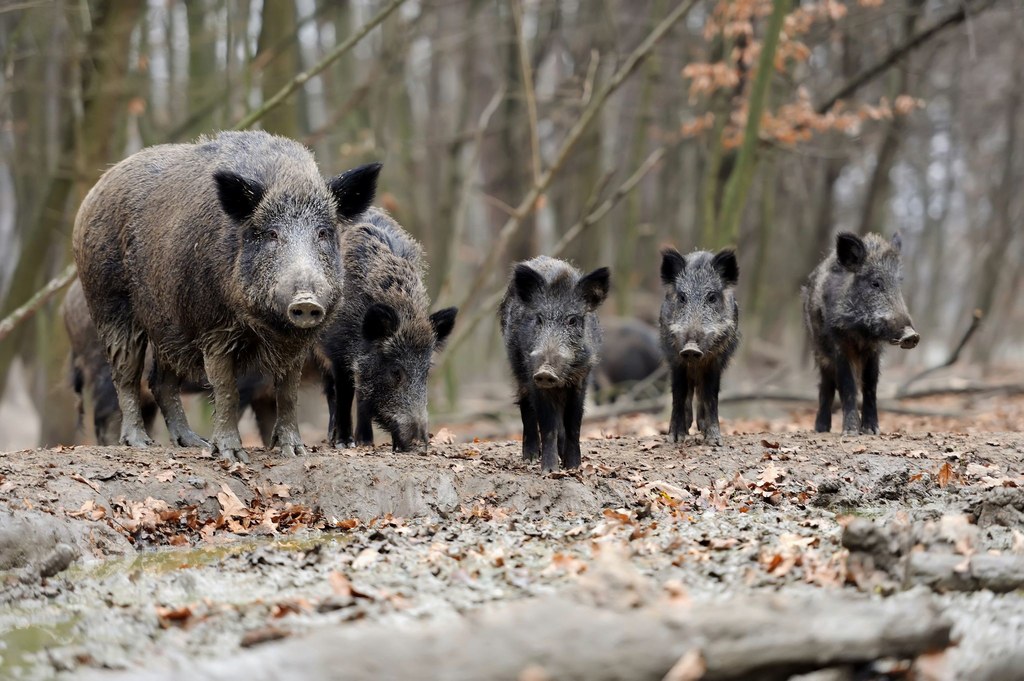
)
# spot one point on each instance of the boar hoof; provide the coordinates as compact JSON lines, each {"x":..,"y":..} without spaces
{"x":870,"y":430}
{"x":851,"y":432}
{"x":136,"y":438}
{"x":189,"y":439}
{"x":713,"y":439}
{"x":238,"y":455}
{"x":531,"y":453}
{"x":293,"y":450}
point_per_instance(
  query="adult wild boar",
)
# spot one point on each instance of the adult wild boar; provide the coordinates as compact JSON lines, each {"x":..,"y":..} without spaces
{"x":699,"y":333}
{"x":380,"y":345}
{"x":90,"y":375}
{"x":223,"y":255}
{"x":853,"y":305}
{"x":552,"y":337}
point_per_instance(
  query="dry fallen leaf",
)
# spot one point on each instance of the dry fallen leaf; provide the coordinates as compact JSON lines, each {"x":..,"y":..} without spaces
{"x":86,"y":481}
{"x":165,"y":476}
{"x":230,"y":503}
{"x":443,"y":437}
{"x":262,"y":635}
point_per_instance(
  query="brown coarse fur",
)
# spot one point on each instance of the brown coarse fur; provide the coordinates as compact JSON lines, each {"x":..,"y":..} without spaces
{"x":380,"y":346}
{"x":218,"y":254}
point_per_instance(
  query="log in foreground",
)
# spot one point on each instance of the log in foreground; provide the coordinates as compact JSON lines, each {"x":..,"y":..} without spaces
{"x":558,"y":638}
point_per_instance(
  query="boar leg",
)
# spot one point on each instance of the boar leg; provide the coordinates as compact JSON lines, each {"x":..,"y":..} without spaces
{"x":364,"y":422}
{"x":681,"y":410}
{"x":826,"y":395}
{"x":869,"y":384}
{"x":573,"y":421}
{"x":344,"y":393}
{"x":127,"y":356}
{"x":696,"y":398}
{"x":220,"y":370}
{"x":708,"y":405}
{"x":847,"y":384}
{"x":166,"y":387}
{"x":531,"y":433}
{"x":286,"y":431}
{"x":264,"y":408}
{"x":548,"y":416}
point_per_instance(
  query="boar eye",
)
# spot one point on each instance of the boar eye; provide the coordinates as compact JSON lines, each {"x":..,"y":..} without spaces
{"x":682,"y":299}
{"x":324,"y":234}
{"x":395,"y":373}
{"x":713,"y":297}
{"x":876,"y":284}
{"x":272,"y":234}
{"x":539,"y":319}
{"x":574,"y":321}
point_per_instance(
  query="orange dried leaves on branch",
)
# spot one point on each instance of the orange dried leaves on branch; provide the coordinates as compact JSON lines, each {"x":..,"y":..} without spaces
{"x":791,"y":122}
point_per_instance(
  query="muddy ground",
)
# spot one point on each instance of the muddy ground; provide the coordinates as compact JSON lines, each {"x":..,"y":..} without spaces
{"x":182,"y":559}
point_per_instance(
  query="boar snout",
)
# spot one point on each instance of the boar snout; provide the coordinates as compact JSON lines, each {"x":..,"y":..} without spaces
{"x":305,"y":312}
{"x":546,"y":377}
{"x":908,"y":339}
{"x":408,"y":433}
{"x":691,"y":352}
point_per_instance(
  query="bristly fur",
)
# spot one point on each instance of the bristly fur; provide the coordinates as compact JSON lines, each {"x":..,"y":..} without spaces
{"x":379,"y":349}
{"x":198,"y":251}
{"x":699,"y":313}
{"x":550,"y":326}
{"x":853,"y":305}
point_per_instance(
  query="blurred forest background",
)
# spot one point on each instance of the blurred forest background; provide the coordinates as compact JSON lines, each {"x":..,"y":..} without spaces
{"x":600,"y":130}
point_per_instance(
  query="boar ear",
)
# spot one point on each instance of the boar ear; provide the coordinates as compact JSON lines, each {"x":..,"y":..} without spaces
{"x":238,"y":196}
{"x":379,"y":322}
{"x":897,"y":242}
{"x":850,"y":251}
{"x":354,"y":190}
{"x":594,"y":287}
{"x":526,"y":281}
{"x":672,"y":263}
{"x":727,"y":267}
{"x":443,"y":322}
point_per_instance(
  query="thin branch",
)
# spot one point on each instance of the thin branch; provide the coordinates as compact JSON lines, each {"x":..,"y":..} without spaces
{"x":38,"y":300}
{"x":528,"y":91}
{"x":459,"y":228}
{"x":526,"y":206}
{"x":976,"y":318}
{"x":897,"y":53}
{"x":332,"y":56}
{"x":625,"y":188}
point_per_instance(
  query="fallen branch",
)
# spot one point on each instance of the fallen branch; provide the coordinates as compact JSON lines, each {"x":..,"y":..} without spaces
{"x":40,"y":298}
{"x":976,"y":318}
{"x":558,"y":638}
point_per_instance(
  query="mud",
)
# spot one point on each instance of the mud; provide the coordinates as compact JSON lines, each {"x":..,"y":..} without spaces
{"x":184,"y":558}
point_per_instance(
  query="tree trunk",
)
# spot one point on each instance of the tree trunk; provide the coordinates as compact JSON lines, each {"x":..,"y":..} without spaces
{"x":743,"y":174}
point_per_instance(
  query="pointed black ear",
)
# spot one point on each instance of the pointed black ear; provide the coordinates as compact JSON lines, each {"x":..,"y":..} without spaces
{"x":594,"y":287}
{"x":354,"y":190}
{"x":672,"y":263}
{"x":443,"y":322}
{"x":379,"y":322}
{"x":850,"y":250}
{"x":526,"y":281}
{"x":727,"y":267}
{"x":238,"y":196}
{"x":897,"y":242}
